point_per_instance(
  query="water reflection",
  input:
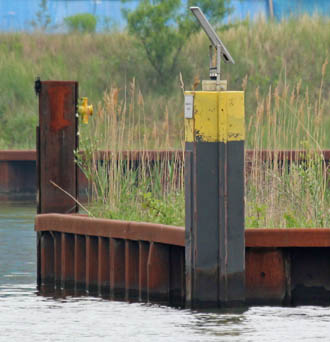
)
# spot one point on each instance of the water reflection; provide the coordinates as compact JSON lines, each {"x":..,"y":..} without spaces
{"x":17,"y":243}
{"x":218,"y":323}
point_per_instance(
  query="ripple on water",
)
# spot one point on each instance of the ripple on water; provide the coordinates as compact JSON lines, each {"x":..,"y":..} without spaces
{"x":25,"y":314}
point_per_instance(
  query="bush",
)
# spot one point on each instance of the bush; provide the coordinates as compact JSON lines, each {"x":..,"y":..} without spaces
{"x":163,"y":28}
{"x":277,"y":63}
{"x":83,"y":23}
{"x":43,"y":19}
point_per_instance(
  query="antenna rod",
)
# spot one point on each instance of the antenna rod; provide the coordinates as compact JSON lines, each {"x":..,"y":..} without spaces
{"x":218,"y":63}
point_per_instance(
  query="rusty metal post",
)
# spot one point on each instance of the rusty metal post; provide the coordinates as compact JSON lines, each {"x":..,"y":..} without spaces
{"x":56,"y":140}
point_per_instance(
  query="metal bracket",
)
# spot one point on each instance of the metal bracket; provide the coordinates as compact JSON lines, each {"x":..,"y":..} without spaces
{"x":37,"y":86}
{"x":220,"y":48}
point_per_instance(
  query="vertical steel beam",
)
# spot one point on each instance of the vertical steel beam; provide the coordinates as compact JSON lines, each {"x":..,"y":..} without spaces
{"x":91,"y":265}
{"x":47,"y":274}
{"x":177,"y":276}
{"x":5,"y":173}
{"x":143,"y":261}
{"x":104,"y":267}
{"x":67,"y":261}
{"x":131,"y":270}
{"x":310,"y":276}
{"x":189,"y":254}
{"x":80,"y":263}
{"x":58,"y":259}
{"x":214,"y":180}
{"x":38,"y":259}
{"x":117,"y":268}
{"x":56,"y":141}
{"x":158,"y":276}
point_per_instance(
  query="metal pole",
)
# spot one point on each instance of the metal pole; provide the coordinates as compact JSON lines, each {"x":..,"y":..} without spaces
{"x":214,"y":181}
{"x":218,"y":48}
{"x":271,"y":9}
{"x":57,"y":139}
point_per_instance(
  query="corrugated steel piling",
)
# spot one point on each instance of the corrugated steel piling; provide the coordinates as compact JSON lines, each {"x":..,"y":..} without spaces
{"x":283,"y":266}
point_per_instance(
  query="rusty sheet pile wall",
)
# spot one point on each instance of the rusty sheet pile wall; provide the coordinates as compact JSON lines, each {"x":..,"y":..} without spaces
{"x":145,"y":262}
{"x":121,"y":260}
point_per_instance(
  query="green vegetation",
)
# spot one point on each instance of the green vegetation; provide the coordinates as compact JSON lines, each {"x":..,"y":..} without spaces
{"x":283,"y":68}
{"x":82,"y":23}
{"x":288,"y":195}
{"x":43,"y":20}
{"x":277,"y":194}
{"x":151,"y":191}
{"x":271,"y":58}
{"x":163,"y":29}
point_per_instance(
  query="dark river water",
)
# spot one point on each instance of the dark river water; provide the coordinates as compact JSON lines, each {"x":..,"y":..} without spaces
{"x":27,"y":316}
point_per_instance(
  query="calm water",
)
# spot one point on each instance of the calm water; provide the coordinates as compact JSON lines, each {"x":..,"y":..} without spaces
{"x":26,"y":316}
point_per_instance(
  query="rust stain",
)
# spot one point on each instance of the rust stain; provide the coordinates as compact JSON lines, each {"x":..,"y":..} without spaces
{"x":283,"y":237}
{"x":57,"y":100}
{"x":265,"y":275}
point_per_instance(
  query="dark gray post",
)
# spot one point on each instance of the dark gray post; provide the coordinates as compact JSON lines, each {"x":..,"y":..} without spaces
{"x":214,"y":181}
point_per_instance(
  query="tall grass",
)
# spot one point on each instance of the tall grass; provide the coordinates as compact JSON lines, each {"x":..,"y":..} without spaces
{"x":279,"y":192}
{"x":283,"y":193}
{"x":266,"y":54}
{"x":148,"y":190}
{"x":281,"y":66}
